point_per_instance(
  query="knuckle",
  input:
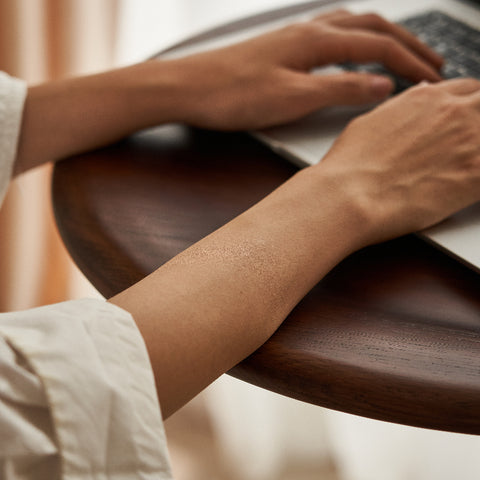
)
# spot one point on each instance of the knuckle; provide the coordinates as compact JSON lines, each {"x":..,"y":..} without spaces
{"x":304,"y":30}
{"x":472,"y":83}
{"x":423,"y":92}
{"x":466,"y":83}
{"x":454,"y":110}
{"x":461,"y":120}
{"x":470,"y":137}
{"x":356,"y":84}
{"x":350,"y":79}
{"x":375,"y":20}
{"x":390,"y":47}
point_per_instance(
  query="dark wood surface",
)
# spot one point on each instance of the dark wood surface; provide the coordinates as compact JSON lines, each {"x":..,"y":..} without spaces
{"x":393,"y":333}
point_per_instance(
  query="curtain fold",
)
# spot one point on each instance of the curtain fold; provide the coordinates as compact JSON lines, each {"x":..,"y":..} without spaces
{"x":42,"y":40}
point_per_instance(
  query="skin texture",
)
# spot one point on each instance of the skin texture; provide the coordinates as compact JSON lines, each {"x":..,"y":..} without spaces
{"x":404,"y":166}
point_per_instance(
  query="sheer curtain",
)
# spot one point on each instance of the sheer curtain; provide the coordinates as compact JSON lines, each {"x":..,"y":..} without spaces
{"x":41,"y":40}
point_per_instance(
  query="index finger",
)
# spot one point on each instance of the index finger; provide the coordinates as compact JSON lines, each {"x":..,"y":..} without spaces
{"x":363,"y":46}
{"x":459,"y":86}
{"x":376,"y":23}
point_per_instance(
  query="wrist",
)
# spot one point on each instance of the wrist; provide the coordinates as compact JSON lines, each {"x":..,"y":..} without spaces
{"x":368,"y":212}
{"x":338,"y":203}
{"x":315,"y":221}
{"x":156,"y":92}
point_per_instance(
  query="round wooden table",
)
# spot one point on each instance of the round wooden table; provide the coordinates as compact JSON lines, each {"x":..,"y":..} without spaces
{"x":392,"y":333}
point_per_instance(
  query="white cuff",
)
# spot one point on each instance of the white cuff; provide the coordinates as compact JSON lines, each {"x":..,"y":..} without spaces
{"x":94,"y":367}
{"x":12,"y":98}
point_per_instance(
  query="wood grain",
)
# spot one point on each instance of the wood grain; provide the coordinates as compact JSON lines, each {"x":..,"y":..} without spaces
{"x":393,"y":333}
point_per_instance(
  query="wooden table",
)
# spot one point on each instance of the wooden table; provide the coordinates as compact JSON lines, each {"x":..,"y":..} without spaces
{"x":393,"y":333}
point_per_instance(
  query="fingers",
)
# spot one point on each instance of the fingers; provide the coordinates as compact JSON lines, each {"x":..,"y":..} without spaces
{"x":465,"y":88}
{"x":459,"y":86}
{"x":360,"y":88}
{"x":364,"y":46}
{"x":348,"y":89}
{"x":376,"y":23}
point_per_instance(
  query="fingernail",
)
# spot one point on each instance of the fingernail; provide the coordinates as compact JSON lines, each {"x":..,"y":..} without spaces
{"x":381,"y":86}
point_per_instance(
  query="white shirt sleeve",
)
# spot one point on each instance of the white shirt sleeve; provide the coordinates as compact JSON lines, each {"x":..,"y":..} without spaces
{"x":77,"y":393}
{"x":77,"y":396}
{"x":12,"y":98}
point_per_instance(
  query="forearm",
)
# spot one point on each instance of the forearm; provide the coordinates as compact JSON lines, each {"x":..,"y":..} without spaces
{"x":70,"y":116}
{"x":217,"y":302}
{"x":256,"y":84}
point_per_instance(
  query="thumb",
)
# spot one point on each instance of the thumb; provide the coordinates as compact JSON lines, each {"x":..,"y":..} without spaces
{"x":351,"y":88}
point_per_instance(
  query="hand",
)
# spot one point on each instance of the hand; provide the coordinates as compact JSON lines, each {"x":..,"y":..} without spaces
{"x":258,"y":83}
{"x":225,"y":296}
{"x":414,"y":160}
{"x":267,"y":80}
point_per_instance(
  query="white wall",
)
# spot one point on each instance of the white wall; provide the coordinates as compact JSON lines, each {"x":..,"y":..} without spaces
{"x":146,"y":26}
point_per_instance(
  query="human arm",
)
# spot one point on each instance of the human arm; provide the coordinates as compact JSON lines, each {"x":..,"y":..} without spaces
{"x":73,"y":375}
{"x":261,"y":82}
{"x":217,"y":302}
{"x":222,"y":298}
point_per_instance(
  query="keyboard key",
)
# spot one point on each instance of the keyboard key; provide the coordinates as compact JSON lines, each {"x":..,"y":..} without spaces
{"x":457,"y":42}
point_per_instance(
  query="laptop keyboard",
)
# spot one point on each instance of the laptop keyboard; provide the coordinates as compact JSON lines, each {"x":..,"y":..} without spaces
{"x":458,"y":43}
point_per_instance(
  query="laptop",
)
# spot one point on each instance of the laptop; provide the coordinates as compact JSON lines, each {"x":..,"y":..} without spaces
{"x":452,"y":27}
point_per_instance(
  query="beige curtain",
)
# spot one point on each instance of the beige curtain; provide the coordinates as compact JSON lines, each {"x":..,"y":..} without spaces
{"x":41,"y":40}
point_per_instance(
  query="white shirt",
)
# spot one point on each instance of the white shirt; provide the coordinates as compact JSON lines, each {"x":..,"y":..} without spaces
{"x":77,"y":393}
